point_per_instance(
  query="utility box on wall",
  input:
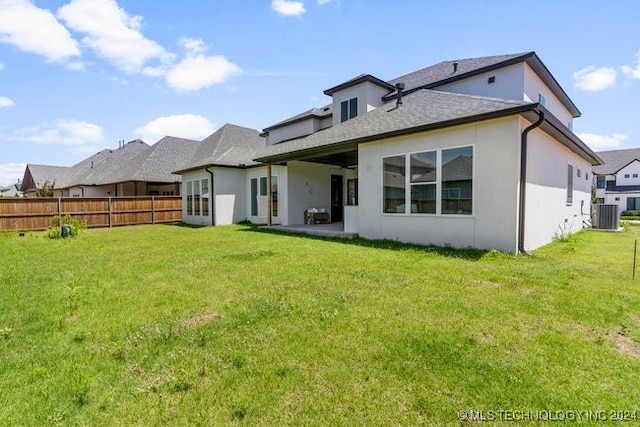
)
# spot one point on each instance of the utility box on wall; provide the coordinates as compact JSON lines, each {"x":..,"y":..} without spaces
{"x":605,"y":217}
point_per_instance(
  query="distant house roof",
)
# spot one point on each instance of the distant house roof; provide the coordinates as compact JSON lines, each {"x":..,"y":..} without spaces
{"x":12,"y":190}
{"x":231,"y":145}
{"x":134,"y":161}
{"x":35,"y":176}
{"x":614,"y":160}
{"x":156,"y":163}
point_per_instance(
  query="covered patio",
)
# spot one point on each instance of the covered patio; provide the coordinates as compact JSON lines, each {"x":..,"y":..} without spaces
{"x":334,"y":229}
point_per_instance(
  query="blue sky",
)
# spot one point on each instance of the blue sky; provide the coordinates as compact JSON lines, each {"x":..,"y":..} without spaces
{"x":79,"y":76}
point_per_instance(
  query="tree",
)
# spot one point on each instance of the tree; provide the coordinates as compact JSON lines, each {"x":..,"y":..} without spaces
{"x":46,"y":190}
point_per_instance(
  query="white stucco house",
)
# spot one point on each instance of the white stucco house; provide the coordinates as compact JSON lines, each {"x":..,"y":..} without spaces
{"x":618,"y":179}
{"x":222,"y":184}
{"x":473,"y":152}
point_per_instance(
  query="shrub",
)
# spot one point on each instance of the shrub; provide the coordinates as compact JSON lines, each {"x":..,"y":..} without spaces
{"x":65,"y":227}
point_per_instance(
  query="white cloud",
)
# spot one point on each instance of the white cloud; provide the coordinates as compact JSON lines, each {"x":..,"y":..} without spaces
{"x":112,"y":33}
{"x":10,"y":173}
{"x":594,"y":79}
{"x":1,"y":66}
{"x":35,"y":30}
{"x":5,"y":102}
{"x":323,"y":2}
{"x":197,"y":70}
{"x":189,"y":126}
{"x":288,"y":8}
{"x":76,"y":133}
{"x":603,"y":142}
{"x":633,"y":71}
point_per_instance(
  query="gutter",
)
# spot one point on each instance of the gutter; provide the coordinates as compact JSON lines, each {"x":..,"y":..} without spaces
{"x":523,"y":181}
{"x":212,"y":197}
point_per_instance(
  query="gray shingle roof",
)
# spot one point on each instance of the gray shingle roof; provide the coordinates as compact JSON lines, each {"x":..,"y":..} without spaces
{"x":443,"y":73}
{"x":614,"y":160}
{"x":320,"y":113}
{"x":135,"y":161}
{"x":161,"y":159}
{"x":231,"y":145}
{"x":107,"y":166}
{"x":10,"y":190}
{"x":444,"y":70}
{"x":420,"y":110}
{"x":58,"y":175}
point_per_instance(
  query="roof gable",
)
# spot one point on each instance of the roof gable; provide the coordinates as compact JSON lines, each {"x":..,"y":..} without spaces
{"x":614,"y":160}
{"x":362,"y":78}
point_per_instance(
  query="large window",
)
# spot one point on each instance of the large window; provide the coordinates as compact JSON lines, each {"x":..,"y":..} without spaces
{"x":439,"y":182}
{"x":423,"y":182}
{"x":190,"y":198}
{"x":198,"y":197}
{"x":633,"y":203}
{"x":348,"y":109}
{"x":259,"y":205}
{"x":569,"y":185}
{"x":457,"y":180}
{"x":394,"y":184}
{"x":600,"y":182}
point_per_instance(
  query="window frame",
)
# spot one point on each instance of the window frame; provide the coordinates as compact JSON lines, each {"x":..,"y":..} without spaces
{"x":258,"y":188}
{"x":348,"y":109}
{"x":438,"y":183}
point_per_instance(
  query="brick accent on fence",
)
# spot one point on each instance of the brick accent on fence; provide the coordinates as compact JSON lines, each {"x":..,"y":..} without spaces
{"x":36,"y":213}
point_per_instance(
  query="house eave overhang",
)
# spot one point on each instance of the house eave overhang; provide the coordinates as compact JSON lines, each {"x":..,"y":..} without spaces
{"x":215,"y":165}
{"x":350,"y":144}
{"x":566,"y":137}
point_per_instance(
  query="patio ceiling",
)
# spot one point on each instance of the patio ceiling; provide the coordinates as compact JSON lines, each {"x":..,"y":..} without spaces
{"x":345,"y":159}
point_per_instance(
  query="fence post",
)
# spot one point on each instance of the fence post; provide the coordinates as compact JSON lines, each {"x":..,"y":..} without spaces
{"x":153,"y":210}
{"x":110,"y":211}
{"x":60,"y":212}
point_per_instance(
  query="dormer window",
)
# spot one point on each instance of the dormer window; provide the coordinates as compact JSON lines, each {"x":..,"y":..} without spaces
{"x":348,"y":109}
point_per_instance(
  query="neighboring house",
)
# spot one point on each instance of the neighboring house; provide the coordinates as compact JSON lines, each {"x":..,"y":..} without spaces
{"x":618,"y":179}
{"x":469,"y":153}
{"x":222,"y":184}
{"x":134,"y":169}
{"x":12,"y":190}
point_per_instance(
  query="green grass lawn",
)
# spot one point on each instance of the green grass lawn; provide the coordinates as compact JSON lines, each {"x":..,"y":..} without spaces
{"x":168,"y":325}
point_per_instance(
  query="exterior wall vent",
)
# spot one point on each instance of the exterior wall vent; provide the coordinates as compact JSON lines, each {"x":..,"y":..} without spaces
{"x":605,"y":217}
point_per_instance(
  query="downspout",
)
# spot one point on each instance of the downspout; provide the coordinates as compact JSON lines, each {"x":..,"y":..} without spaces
{"x":211,"y":197}
{"x":523,"y":181}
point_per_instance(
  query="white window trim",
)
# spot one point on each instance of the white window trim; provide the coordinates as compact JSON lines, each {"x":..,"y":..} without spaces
{"x":407,"y":189}
{"x":258,"y":177}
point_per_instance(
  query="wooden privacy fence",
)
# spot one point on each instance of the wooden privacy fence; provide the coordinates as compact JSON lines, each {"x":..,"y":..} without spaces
{"x":37,"y":213}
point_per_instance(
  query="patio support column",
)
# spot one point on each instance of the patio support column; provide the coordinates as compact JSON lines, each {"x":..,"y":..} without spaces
{"x":269,"y":201}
